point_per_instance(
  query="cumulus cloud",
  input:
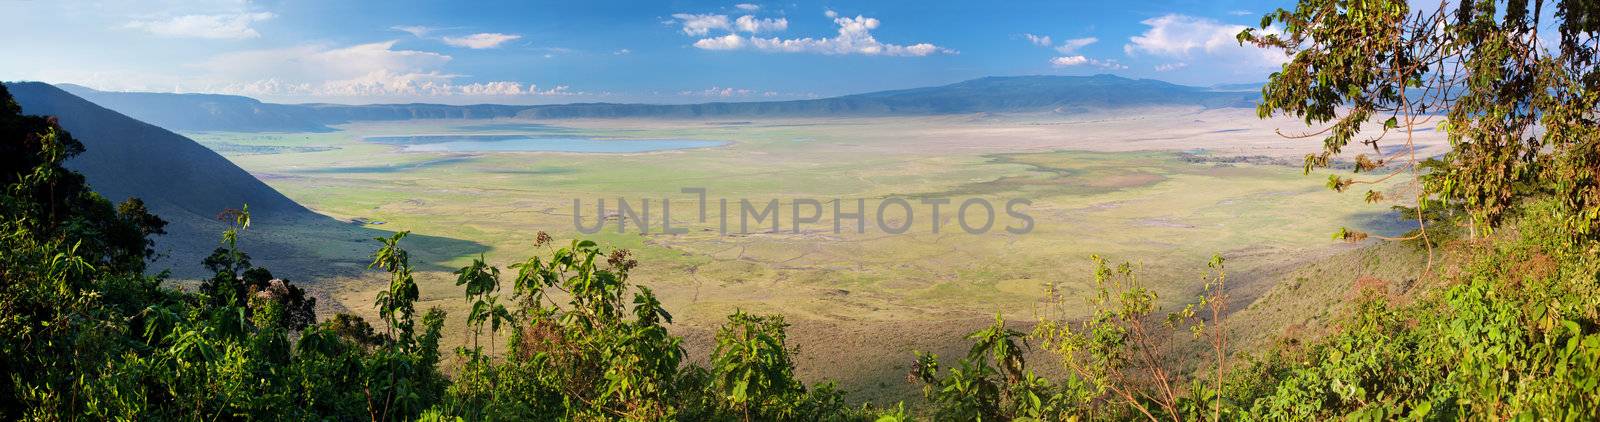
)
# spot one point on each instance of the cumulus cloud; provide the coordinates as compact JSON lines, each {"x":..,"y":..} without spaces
{"x":1079,"y":60}
{"x":854,"y":37}
{"x":480,"y":41}
{"x":1069,"y":61}
{"x":725,"y":42}
{"x":748,"y":7}
{"x":1187,"y":37}
{"x":493,"y":88}
{"x":1067,"y":48}
{"x":700,"y":25}
{"x":753,"y":25}
{"x":220,"y":26}
{"x":622,"y":52}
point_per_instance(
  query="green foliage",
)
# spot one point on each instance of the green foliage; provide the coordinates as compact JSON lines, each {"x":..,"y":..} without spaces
{"x":582,"y":348}
{"x":397,"y":304}
{"x":992,"y":382}
{"x":1501,"y":341}
{"x":87,"y":335}
{"x":1517,"y":105}
{"x":1123,"y":350}
{"x":752,"y":374}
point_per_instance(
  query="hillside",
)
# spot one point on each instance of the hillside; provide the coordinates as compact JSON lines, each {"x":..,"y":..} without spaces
{"x":188,"y":185}
{"x":1062,"y":94}
{"x":126,"y":157}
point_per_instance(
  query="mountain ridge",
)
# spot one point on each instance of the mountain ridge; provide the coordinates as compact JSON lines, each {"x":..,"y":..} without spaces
{"x":1035,"y":93}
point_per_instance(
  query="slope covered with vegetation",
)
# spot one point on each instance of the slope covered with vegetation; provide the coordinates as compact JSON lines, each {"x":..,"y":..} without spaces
{"x":124,"y":157}
{"x":189,"y":185}
{"x":1503,"y":321}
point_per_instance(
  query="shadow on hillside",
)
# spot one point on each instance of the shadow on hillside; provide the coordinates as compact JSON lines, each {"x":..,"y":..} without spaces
{"x":306,"y":247}
{"x":1387,"y":223}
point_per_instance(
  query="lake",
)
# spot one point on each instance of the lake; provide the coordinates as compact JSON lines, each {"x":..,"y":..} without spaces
{"x":511,"y":143}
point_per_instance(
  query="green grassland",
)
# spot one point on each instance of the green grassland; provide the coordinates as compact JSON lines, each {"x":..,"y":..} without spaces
{"x":846,"y":291}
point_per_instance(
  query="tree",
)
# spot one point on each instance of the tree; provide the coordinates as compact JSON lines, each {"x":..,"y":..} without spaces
{"x":1518,"y":106}
{"x":993,"y":382}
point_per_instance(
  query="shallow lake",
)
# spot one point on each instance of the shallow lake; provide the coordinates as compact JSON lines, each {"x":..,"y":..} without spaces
{"x":507,"y":143}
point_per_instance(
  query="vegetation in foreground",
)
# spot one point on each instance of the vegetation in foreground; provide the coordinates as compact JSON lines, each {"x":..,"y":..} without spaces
{"x":1512,"y":330}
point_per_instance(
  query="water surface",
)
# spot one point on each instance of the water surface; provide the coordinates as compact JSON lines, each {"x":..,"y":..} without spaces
{"x":511,"y":143}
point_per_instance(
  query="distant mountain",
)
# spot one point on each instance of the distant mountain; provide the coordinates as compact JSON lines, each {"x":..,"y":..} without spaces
{"x":203,"y":112}
{"x":337,"y":113}
{"x":1247,"y":86}
{"x":207,"y":112}
{"x":986,"y":95}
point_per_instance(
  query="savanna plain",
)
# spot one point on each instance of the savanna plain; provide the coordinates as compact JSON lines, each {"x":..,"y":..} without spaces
{"x":1163,"y":188}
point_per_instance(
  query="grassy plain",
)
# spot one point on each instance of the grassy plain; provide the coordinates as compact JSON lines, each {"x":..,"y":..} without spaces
{"x":1116,"y":184}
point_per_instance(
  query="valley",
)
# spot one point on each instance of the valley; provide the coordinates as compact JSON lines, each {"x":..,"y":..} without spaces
{"x":1161,"y":187}
{"x":800,"y":211}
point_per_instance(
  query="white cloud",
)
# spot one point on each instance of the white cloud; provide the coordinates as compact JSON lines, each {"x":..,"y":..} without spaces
{"x":1240,"y":12}
{"x":415,"y":30}
{"x":1168,"y":67}
{"x":558,"y":90}
{"x":493,"y":88}
{"x":753,"y":25}
{"x":1079,"y":60}
{"x":700,"y":25}
{"x":314,"y":62}
{"x":748,"y":7}
{"x":622,"y":52}
{"x":854,"y":37}
{"x":1069,"y":61}
{"x":221,"y":26}
{"x":1039,"y":40}
{"x":719,"y":92}
{"x":363,"y":70}
{"x":1187,"y":37}
{"x":480,"y":41}
{"x":1069,"y":46}
{"x":725,"y":42}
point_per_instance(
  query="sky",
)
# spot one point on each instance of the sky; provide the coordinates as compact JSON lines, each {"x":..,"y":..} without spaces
{"x":358,"y":51}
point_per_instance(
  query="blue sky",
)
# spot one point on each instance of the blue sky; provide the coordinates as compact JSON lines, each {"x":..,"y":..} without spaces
{"x":620,"y":51}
